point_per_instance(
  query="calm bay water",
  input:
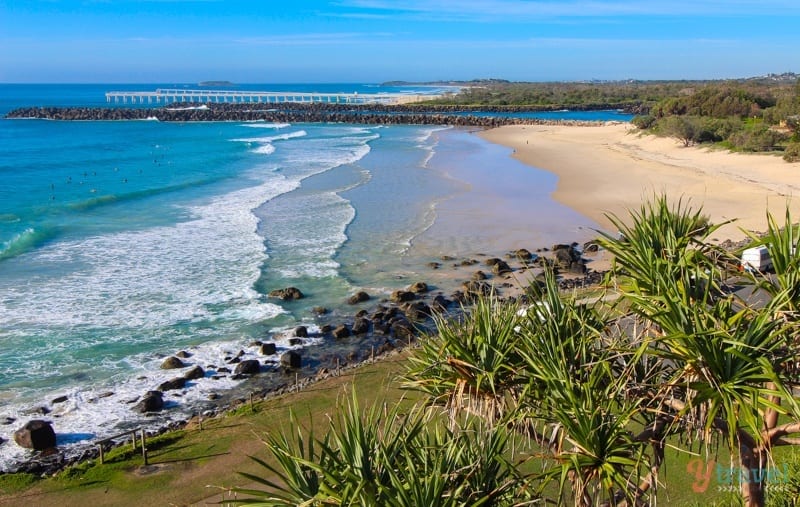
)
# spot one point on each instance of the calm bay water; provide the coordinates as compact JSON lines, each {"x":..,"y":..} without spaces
{"x":124,"y":242}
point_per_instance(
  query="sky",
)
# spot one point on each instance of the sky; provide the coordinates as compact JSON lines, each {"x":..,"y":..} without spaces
{"x":372,"y":41}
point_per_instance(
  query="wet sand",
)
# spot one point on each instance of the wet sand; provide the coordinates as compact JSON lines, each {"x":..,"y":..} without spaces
{"x":501,"y":204}
{"x":612,"y":168}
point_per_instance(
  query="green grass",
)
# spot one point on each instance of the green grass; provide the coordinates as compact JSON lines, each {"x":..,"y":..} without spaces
{"x":13,"y":483}
{"x":183,"y":463}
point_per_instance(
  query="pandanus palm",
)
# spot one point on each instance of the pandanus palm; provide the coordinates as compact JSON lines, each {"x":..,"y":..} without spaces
{"x":388,"y":457}
{"x":724,"y":357}
{"x":473,"y":362}
{"x":576,"y":403}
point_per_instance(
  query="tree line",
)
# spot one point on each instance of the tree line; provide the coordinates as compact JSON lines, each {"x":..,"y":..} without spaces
{"x":740,"y":119}
{"x":750,"y":115}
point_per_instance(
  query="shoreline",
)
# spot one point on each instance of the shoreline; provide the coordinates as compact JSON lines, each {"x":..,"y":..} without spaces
{"x":560,"y":150}
{"x":479,"y":222}
{"x":612,"y":168}
{"x":394,"y":325}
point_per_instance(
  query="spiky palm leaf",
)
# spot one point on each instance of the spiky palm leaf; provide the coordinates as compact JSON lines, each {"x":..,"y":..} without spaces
{"x":662,"y":244}
{"x":472,"y":362}
{"x":387,"y":457}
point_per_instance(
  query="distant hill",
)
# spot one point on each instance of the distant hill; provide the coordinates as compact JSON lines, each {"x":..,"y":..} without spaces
{"x":215,"y":83}
{"x":473,"y":82}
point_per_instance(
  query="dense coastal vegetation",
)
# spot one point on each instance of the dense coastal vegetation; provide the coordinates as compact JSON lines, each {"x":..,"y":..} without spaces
{"x":749,"y":115}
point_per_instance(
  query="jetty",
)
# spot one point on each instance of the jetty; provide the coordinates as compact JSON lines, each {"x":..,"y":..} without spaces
{"x":179,"y":95}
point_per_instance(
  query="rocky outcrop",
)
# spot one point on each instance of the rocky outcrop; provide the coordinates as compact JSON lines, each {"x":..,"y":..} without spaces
{"x":194,"y":373}
{"x":247,"y":367}
{"x":358,"y":297}
{"x":172,"y":363}
{"x":417,"y":310}
{"x":268,"y":349}
{"x":361,"y":326}
{"x":340,"y":332}
{"x":152,"y":401}
{"x":287,"y":294}
{"x":291,"y":359}
{"x":499,"y":266}
{"x":418,"y":288}
{"x":401,"y":296}
{"x":36,"y":434}
{"x":172,"y":384}
{"x":523,"y":254}
{"x":568,"y":258}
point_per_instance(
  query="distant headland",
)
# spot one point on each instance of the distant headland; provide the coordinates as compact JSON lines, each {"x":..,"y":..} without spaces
{"x":216,"y":83}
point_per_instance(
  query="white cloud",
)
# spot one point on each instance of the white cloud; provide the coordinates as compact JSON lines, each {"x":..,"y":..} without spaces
{"x":308,"y":39}
{"x":526,"y":10}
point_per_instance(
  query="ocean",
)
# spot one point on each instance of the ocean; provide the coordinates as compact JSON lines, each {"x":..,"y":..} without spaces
{"x":122,"y":243}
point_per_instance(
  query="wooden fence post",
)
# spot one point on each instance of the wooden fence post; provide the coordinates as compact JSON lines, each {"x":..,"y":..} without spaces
{"x":144,"y":449}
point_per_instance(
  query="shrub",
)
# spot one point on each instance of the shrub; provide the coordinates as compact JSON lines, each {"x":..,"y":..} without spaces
{"x":792,"y":152}
{"x":643,"y":121}
{"x":760,"y":138}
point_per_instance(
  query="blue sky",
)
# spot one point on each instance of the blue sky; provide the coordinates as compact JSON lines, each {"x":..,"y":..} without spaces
{"x":249,"y":41}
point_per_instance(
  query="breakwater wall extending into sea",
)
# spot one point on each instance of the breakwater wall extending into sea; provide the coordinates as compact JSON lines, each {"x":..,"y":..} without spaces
{"x":299,"y":113}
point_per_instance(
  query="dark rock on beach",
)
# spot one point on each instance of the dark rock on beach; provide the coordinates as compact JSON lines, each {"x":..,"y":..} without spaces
{"x":590,"y":247}
{"x":247,"y":367}
{"x":401,"y":296}
{"x":291,"y":359}
{"x":287,"y":294}
{"x":268,"y":349}
{"x":172,"y":384}
{"x":568,"y":258}
{"x":60,"y":399}
{"x":418,"y":287}
{"x":152,"y":401}
{"x":194,"y":373}
{"x":361,"y":326}
{"x":479,"y":275}
{"x":172,"y":363}
{"x":417,"y":310}
{"x":523,"y":254}
{"x":499,"y":266}
{"x":301,"y":332}
{"x":440,"y":303}
{"x":341,"y":331}
{"x":358,"y":297}
{"x":36,"y":434}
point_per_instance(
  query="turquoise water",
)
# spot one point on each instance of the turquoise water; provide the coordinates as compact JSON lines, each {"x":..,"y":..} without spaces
{"x":124,"y":242}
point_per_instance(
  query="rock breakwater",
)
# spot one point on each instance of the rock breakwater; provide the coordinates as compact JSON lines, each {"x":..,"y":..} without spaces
{"x":296,"y":113}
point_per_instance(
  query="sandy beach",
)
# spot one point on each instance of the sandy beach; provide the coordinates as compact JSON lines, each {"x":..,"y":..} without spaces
{"x":612,"y":168}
